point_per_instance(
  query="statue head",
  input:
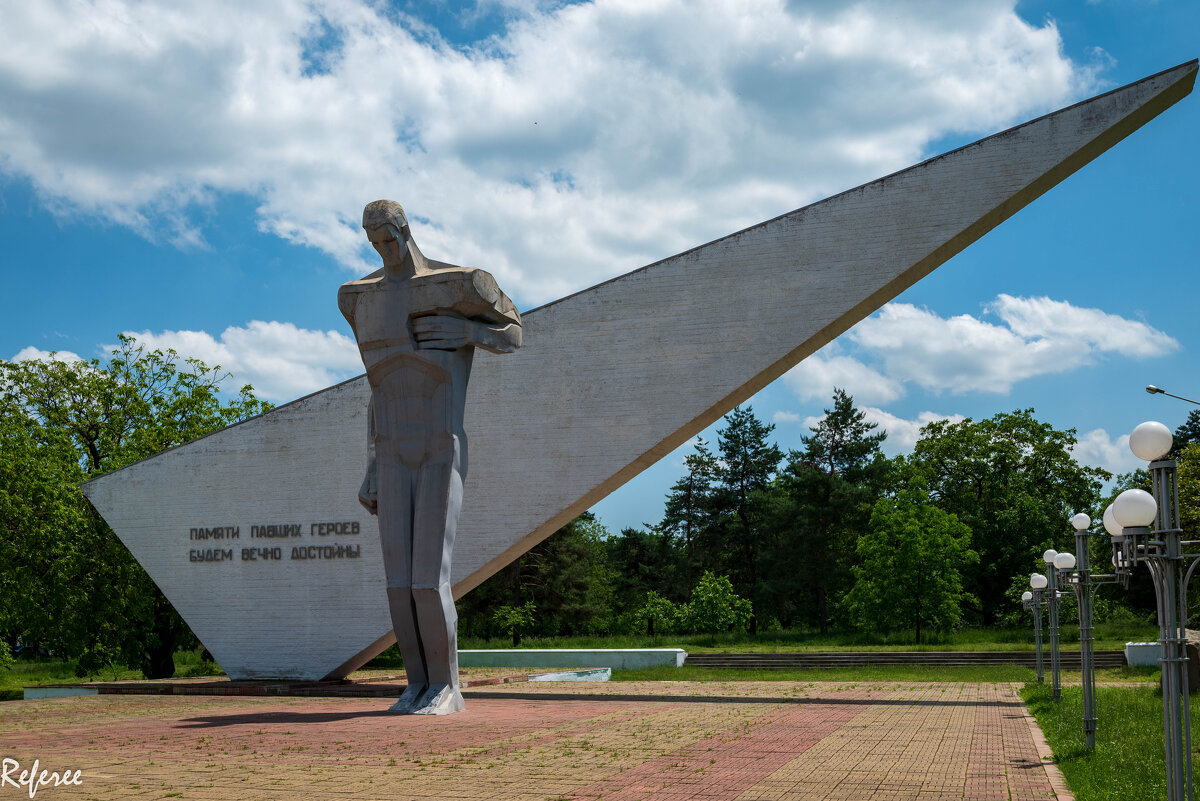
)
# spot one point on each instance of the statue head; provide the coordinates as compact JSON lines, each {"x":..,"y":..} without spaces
{"x":387,"y":229}
{"x":385,"y":212}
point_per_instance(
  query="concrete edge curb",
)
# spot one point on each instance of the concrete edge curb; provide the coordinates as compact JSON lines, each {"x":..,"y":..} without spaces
{"x":1057,"y":781}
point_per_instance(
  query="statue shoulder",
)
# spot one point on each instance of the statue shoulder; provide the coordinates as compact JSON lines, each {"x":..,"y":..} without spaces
{"x":348,"y":292}
{"x":466,"y":291}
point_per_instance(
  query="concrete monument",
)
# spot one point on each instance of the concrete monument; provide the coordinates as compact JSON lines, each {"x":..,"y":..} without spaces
{"x":254,"y":533}
{"x":418,"y":323}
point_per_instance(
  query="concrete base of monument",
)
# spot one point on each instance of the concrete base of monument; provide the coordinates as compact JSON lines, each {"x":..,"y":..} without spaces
{"x":617,"y":658}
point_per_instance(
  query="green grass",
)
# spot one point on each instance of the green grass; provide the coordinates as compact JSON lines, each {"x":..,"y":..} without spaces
{"x":1109,"y":636}
{"x":968,"y":673}
{"x":1128,"y":763}
{"x":32,"y":672}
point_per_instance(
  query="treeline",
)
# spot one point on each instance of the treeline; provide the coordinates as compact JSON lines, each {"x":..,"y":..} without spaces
{"x":68,"y":586}
{"x":832,"y":535}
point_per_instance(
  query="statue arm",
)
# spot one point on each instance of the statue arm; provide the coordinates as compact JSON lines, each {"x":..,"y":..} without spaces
{"x":347,"y":300}
{"x":451,"y":332}
{"x":497,"y":338}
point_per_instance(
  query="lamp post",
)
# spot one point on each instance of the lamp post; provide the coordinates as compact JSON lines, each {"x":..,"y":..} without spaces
{"x":1162,"y":551}
{"x":1052,"y":604}
{"x":1075,"y":572}
{"x":1153,"y":390}
{"x":1038,"y":582}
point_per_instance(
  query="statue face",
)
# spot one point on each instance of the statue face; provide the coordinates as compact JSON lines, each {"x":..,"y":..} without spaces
{"x":389,"y":244}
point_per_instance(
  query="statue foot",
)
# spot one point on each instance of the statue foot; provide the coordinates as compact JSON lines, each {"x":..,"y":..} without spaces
{"x":440,"y":699}
{"x":409,"y":699}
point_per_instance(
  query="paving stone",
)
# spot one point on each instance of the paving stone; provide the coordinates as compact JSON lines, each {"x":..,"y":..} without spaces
{"x":668,"y":741}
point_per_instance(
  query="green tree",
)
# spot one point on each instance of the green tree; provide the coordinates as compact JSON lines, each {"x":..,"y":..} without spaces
{"x":515,"y":619}
{"x":1013,"y":481}
{"x":646,"y":561}
{"x":1187,"y":433}
{"x":747,"y":466}
{"x":715,"y":607}
{"x":566,"y":577}
{"x":657,"y":615}
{"x":825,"y":499}
{"x":69,"y":583}
{"x":908,"y":574}
{"x":690,"y":506}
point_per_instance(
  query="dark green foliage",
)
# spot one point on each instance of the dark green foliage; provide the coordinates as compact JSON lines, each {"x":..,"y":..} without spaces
{"x":691,"y":509}
{"x":822,"y":503}
{"x":908,"y":574}
{"x":738,"y":537}
{"x":566,"y":577}
{"x":1012,"y":480}
{"x":66,"y":581}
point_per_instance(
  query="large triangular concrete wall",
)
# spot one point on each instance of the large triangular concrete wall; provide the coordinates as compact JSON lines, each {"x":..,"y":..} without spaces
{"x":609,"y":381}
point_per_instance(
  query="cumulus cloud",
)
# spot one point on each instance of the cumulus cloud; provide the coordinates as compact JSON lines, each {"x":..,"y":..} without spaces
{"x":902,"y":433}
{"x":581,"y":141}
{"x":1098,"y":449}
{"x":282,"y":362}
{"x":962,"y":354}
{"x":815,"y":378}
{"x":31,"y":353}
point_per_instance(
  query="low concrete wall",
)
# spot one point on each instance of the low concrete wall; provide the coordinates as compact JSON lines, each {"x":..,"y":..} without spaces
{"x":625,"y":658}
{"x":1142,"y":654}
{"x":57,"y":692}
{"x":586,"y":674}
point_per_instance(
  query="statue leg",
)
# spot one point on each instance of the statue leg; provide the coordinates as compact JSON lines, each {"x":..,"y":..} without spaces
{"x":396,"y":485}
{"x":439,"y":492}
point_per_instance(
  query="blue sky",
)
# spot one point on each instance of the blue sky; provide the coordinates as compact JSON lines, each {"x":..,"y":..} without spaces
{"x":194,"y":175}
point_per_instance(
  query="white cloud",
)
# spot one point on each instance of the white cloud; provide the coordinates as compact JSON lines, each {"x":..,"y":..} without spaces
{"x":903,"y":434}
{"x":966,"y":354}
{"x":279,"y":360}
{"x":30,"y":353}
{"x":785,"y":417}
{"x":1098,"y":449}
{"x":1043,"y":318}
{"x":815,"y":378}
{"x":583,"y":141}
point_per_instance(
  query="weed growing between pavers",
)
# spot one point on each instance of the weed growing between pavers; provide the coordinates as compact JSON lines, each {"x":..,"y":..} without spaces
{"x":1129,"y":763}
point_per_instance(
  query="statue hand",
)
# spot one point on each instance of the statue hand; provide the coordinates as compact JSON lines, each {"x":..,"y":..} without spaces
{"x":443,"y":331}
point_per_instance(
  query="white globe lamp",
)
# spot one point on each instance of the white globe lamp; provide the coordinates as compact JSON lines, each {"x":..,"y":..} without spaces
{"x":1064,"y":561}
{"x":1110,"y":522}
{"x":1150,"y":441}
{"x":1134,"y":508}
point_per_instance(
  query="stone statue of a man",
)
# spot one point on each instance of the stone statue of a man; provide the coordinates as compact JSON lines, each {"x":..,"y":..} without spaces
{"x":417,"y":323}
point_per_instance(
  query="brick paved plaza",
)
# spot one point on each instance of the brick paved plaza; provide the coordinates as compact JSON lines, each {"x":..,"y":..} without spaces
{"x":612,"y":741}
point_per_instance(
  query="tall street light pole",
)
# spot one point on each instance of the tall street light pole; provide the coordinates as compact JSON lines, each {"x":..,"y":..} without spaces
{"x":1163,"y":553}
{"x":1052,"y":604}
{"x":1038,"y":582}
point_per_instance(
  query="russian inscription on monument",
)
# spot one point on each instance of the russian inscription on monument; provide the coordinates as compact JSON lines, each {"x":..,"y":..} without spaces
{"x":417,"y":323}
{"x":275,"y":553}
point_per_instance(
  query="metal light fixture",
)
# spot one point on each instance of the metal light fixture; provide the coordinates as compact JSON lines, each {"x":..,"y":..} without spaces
{"x":1038,"y":582}
{"x":1076,"y":570}
{"x":1052,"y":604}
{"x":1153,"y":390}
{"x":1162,"y":551}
